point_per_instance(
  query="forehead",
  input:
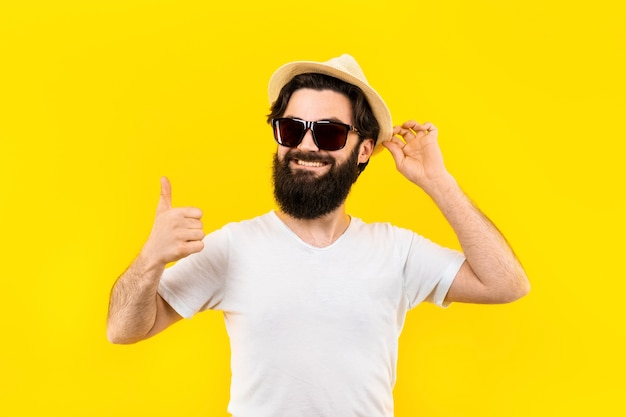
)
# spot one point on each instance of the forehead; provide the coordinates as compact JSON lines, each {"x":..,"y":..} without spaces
{"x":309,"y":104}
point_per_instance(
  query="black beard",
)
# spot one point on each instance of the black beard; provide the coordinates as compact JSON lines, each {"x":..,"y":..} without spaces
{"x":303,"y":195}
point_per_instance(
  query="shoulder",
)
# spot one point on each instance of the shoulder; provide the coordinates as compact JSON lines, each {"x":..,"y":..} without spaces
{"x":392,"y":237}
{"x":263,"y":225}
{"x":382,"y":237}
{"x":262,"y":220}
{"x":380,"y":229}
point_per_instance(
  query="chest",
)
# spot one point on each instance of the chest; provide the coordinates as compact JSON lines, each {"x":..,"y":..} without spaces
{"x":319,"y":290}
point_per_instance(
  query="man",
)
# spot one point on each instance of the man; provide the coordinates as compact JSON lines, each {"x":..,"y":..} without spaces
{"x":314,"y":300}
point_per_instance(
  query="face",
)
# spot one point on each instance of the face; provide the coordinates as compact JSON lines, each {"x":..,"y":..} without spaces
{"x":314,"y":105}
{"x":309,"y":182}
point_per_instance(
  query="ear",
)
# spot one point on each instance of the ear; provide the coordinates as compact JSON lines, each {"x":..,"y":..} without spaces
{"x":365,"y":150}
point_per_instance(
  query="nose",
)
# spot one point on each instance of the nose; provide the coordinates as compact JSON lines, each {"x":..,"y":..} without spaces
{"x":308,"y":144}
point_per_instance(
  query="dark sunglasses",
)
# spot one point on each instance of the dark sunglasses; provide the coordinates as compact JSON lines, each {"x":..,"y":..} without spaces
{"x":329,"y":136}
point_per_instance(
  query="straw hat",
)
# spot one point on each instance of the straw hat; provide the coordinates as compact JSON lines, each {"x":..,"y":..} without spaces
{"x":346,"y":69}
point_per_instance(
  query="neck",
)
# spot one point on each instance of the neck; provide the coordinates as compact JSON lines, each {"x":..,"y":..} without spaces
{"x":320,"y":232}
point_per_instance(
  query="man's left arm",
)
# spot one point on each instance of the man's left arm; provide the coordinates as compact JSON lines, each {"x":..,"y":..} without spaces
{"x":492,"y":273}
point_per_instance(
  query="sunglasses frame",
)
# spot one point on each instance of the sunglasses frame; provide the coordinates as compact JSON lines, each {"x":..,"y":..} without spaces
{"x":310,"y":125}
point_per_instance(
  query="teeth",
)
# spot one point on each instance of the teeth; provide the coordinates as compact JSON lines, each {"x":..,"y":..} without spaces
{"x":310,"y":163}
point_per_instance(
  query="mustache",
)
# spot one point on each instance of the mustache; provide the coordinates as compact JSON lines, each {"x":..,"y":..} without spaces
{"x":295,"y":153}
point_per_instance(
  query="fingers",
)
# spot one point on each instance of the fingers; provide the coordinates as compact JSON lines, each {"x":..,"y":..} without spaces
{"x":165,"y":201}
{"x":190,"y":212}
{"x":192,"y":223}
{"x":412,"y":129}
{"x":413,"y":125}
{"x":193,"y":246}
{"x":182,"y":249}
{"x":184,"y":218}
{"x":184,"y":242}
{"x":188,"y":235}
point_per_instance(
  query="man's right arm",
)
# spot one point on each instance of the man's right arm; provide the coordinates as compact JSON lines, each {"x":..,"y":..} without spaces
{"x":136,"y":310}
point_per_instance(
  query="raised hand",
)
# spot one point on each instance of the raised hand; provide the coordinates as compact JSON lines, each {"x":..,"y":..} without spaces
{"x":177,"y":231}
{"x":417,"y":154}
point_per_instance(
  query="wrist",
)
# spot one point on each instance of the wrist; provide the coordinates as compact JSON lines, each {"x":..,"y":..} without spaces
{"x":148,"y":263}
{"x":441,"y":188}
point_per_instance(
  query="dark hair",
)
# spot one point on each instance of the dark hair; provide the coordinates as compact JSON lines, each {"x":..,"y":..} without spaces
{"x":362,"y":114}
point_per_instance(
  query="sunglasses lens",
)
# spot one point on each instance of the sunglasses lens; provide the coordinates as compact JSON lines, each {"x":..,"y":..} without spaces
{"x":288,"y":132}
{"x":331,"y":136}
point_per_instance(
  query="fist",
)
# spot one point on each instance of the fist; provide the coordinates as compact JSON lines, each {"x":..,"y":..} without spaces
{"x":177,"y":231}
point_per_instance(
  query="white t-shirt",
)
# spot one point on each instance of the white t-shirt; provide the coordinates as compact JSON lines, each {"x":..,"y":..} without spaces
{"x":313,"y":331}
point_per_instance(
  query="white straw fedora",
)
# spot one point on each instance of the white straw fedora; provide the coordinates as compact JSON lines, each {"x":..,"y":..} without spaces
{"x":346,"y":69}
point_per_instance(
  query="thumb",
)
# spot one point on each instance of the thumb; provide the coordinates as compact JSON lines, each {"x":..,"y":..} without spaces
{"x":394,"y":149}
{"x":165,"y":201}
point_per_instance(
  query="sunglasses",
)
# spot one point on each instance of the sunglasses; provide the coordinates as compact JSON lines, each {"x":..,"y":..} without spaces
{"x":328,"y":136}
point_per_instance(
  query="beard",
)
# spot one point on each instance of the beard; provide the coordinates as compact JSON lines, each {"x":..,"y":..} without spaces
{"x":302,"y":194}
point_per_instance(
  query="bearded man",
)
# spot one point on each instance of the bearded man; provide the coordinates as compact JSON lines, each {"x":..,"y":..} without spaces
{"x":315,"y":299}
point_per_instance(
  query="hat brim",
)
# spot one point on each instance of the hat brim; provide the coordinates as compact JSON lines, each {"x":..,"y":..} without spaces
{"x":381,"y":112}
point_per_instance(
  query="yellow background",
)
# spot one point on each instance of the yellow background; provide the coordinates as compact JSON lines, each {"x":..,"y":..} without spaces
{"x":98,"y":99}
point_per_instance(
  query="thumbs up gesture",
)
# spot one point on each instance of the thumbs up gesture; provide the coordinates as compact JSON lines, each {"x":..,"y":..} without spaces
{"x":177,"y":231}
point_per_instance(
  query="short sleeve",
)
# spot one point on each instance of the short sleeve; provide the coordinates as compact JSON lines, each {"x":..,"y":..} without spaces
{"x":196,"y":283}
{"x":429,"y":271}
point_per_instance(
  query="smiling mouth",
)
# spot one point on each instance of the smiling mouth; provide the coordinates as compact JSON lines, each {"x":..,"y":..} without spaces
{"x":306,"y":160}
{"x":312,"y":164}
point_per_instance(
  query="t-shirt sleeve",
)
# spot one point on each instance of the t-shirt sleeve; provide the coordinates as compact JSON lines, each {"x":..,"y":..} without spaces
{"x":429,"y":271}
{"x":196,"y":283}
